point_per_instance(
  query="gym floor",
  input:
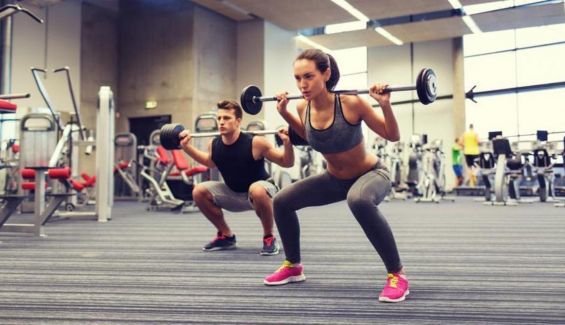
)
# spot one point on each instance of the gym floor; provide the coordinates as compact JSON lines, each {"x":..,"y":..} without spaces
{"x":466,"y":262}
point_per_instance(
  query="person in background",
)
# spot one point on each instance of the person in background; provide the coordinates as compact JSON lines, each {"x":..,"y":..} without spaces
{"x":471,"y":151}
{"x":456,"y":158}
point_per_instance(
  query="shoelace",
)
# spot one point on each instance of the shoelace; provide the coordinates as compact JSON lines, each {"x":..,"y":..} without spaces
{"x":393,"y":280}
{"x":286,"y":264}
{"x":268,"y":241}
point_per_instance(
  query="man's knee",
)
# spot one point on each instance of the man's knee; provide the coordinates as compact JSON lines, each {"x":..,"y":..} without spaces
{"x":258,"y":193}
{"x":200,"y":193}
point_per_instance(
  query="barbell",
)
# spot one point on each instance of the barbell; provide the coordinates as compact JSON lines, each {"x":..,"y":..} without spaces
{"x":252,"y":99}
{"x":170,"y":140}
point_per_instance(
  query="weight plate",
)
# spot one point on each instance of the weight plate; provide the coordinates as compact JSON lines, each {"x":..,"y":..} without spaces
{"x":248,"y":100}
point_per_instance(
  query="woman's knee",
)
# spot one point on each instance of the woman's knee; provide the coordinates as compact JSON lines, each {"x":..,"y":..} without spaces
{"x":358,"y":202}
{"x":282,"y":201}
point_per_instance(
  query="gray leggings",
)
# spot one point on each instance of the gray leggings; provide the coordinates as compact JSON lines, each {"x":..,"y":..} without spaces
{"x":363,"y":195}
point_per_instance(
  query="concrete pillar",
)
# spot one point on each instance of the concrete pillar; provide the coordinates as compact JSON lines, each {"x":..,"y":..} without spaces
{"x":458,"y":87}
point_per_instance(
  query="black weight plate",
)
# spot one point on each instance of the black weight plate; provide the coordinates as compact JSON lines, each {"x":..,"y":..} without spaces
{"x":426,"y":86}
{"x":249,"y":105}
{"x":164,"y":137}
{"x":169,"y":136}
{"x":430,"y":80}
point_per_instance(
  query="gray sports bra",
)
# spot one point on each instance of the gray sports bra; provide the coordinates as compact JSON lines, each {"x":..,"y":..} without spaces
{"x":338,"y":137}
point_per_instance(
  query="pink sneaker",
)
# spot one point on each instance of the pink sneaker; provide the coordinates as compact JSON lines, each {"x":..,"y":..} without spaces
{"x":396,"y":288}
{"x":287,"y":273}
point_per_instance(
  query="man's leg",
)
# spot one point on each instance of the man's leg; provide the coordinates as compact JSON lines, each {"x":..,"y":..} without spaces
{"x":205,"y":202}
{"x":260,"y":197}
{"x":262,"y":202}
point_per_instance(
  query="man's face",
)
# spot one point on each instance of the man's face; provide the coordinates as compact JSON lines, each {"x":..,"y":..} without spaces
{"x":227,"y":122}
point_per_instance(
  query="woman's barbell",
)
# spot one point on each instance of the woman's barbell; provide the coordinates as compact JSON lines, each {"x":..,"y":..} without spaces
{"x":170,"y":140}
{"x":252,"y":100}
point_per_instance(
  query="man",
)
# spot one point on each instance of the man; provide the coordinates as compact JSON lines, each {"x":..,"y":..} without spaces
{"x":240,"y":160}
{"x":456,"y":150}
{"x":471,"y":152}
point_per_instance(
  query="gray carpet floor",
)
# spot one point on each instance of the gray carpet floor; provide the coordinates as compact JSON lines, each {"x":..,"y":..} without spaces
{"x":467,"y":263}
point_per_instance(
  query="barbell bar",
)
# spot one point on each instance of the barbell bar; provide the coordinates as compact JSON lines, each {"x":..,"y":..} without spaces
{"x":252,"y":100}
{"x":170,"y":140}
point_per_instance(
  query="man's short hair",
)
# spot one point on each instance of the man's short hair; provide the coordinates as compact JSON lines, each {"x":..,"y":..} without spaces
{"x":231,"y":105}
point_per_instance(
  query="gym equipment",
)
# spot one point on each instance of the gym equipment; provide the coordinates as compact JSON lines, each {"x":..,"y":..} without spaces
{"x":432,"y":174}
{"x":395,"y":159}
{"x":125,"y":166}
{"x":417,"y":142}
{"x":8,"y":10}
{"x":561,"y":204}
{"x":207,"y":122}
{"x":169,"y":136}
{"x":155,"y":174}
{"x":508,"y":170}
{"x":487,"y":164}
{"x":252,"y":101}
{"x":310,"y":163}
{"x":543,"y":154}
{"x":14,"y":96}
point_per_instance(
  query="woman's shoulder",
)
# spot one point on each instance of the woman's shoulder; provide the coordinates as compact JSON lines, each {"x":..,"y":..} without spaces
{"x":301,"y":105}
{"x":352,"y":101}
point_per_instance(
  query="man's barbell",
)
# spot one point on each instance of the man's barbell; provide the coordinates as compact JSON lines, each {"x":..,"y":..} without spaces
{"x":252,"y":100}
{"x":170,"y":140}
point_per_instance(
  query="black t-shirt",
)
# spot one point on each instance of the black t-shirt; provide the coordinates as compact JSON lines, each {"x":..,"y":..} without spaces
{"x":236,"y":163}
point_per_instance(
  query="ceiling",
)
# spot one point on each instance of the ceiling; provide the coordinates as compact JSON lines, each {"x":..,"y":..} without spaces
{"x":295,"y":15}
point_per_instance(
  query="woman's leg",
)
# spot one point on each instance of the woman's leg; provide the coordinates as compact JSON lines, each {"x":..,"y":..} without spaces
{"x":312,"y":191}
{"x":363,"y":198}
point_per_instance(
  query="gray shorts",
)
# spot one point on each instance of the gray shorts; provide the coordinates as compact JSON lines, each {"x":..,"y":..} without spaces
{"x":232,"y":201}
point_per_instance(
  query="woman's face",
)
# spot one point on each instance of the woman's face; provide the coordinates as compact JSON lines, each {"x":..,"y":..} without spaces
{"x":309,"y":80}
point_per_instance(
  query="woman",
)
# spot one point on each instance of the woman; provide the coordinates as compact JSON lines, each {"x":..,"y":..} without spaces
{"x":332,"y":125}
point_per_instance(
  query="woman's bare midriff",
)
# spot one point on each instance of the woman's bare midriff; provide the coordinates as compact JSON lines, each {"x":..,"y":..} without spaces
{"x":351,"y":163}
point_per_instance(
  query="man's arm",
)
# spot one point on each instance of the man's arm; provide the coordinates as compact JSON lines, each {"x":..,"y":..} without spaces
{"x":202,"y":157}
{"x":283,"y":157}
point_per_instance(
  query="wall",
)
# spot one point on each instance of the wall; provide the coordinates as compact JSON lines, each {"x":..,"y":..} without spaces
{"x":156,"y":60}
{"x":99,"y":64}
{"x":99,"y":58}
{"x":250,"y":59}
{"x":215,"y":46}
{"x":186,"y":61}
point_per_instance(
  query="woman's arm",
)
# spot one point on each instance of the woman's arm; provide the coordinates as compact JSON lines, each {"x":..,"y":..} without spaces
{"x":295,"y":122}
{"x":383,"y":124}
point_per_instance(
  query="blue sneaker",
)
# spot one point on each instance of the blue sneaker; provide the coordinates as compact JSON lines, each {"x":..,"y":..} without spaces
{"x":219,"y":243}
{"x":270,"y":246}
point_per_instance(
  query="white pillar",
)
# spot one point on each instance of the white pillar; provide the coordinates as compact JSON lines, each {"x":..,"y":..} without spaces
{"x":105,"y":154}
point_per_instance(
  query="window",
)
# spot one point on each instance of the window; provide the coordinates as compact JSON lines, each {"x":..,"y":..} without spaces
{"x":488,"y":42}
{"x":538,"y":110}
{"x":540,"y":65}
{"x":493,"y":113}
{"x":352,"y":60}
{"x":489,"y":72}
{"x":511,"y":59}
{"x":352,"y":64}
{"x":540,"y":35}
